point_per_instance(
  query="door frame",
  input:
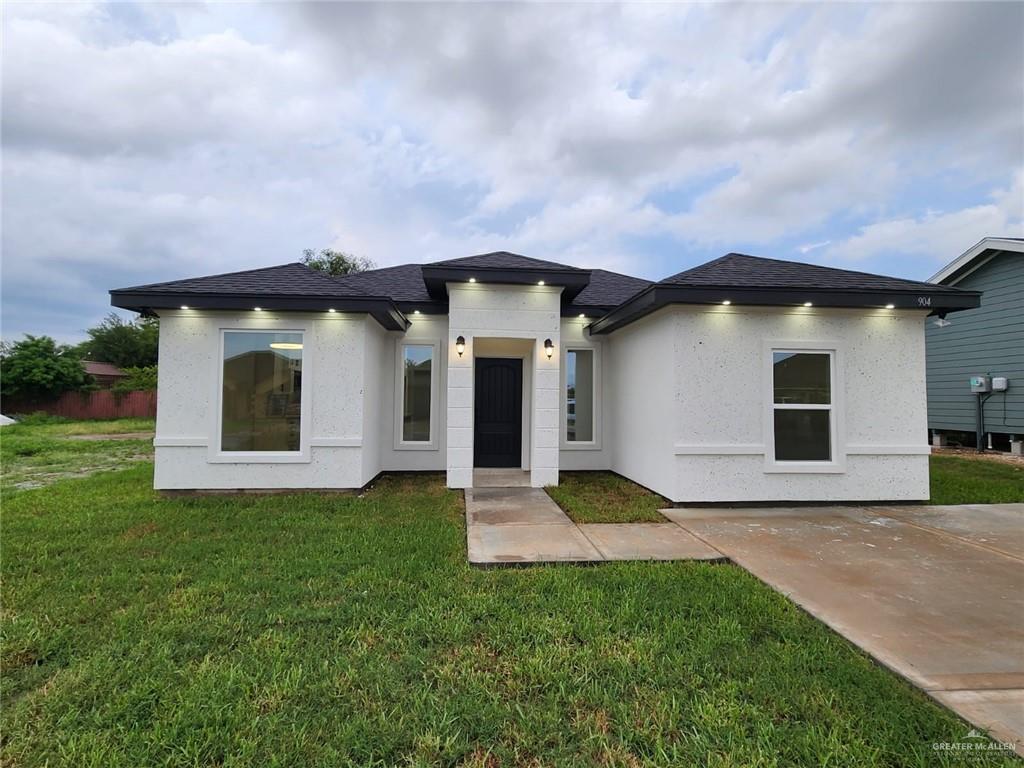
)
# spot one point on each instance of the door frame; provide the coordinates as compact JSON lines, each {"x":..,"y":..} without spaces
{"x":527,"y":396}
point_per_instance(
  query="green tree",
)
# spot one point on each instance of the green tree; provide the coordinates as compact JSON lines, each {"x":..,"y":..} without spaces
{"x":137,"y":379}
{"x":37,"y":367}
{"x":125,"y":343}
{"x":335,"y":262}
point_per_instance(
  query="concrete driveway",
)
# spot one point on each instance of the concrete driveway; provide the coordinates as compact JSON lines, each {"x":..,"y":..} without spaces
{"x":934,"y":593}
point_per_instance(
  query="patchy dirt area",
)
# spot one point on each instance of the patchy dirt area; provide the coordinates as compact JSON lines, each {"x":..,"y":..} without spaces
{"x":970,"y":453}
{"x":38,"y":453}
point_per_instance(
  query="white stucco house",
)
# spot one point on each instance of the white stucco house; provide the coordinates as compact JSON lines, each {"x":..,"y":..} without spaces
{"x":741,"y":380}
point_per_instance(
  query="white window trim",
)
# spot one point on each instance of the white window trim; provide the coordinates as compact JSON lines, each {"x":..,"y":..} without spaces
{"x":836,"y":409}
{"x":435,"y":368}
{"x":302,"y":456}
{"x":563,"y":409}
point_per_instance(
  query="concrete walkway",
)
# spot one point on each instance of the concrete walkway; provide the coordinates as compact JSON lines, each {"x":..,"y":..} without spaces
{"x":934,"y":593}
{"x":505,"y":526}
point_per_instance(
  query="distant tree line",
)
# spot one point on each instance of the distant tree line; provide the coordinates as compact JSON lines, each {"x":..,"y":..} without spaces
{"x":38,"y":368}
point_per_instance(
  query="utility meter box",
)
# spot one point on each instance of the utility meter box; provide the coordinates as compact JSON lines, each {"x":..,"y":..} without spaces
{"x":999,"y":383}
{"x":981,"y":384}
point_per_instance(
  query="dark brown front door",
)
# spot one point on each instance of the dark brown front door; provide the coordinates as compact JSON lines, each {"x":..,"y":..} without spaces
{"x":498,"y":412}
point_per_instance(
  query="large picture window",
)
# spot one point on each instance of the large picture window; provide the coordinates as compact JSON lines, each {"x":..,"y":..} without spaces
{"x":579,"y":396}
{"x":261,"y":394}
{"x":802,"y":396}
{"x":417,"y":379}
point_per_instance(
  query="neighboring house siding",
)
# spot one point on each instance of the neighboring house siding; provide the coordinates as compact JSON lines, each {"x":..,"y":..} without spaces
{"x":989,"y":339}
{"x":721,"y":393}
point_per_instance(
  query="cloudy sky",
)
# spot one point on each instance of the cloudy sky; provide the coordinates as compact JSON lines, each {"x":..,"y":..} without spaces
{"x":150,"y":142}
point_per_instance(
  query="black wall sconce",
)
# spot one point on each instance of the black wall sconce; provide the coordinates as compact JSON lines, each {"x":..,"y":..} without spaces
{"x":549,"y":348}
{"x":460,"y":345}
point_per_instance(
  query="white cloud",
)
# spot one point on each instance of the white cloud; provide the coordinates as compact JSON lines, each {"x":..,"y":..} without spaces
{"x":940,"y":236}
{"x":146,"y":142}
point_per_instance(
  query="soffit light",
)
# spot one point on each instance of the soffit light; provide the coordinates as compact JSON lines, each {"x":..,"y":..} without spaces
{"x":472,"y":279}
{"x":257,"y":309}
{"x":332,"y":310}
{"x":285,"y":345}
{"x":890,"y":306}
{"x":726,"y":303}
{"x":460,"y":345}
{"x":184,"y":306}
{"x":549,"y":348}
{"x":808,"y":304}
{"x":582,"y":316}
{"x":540,"y":282}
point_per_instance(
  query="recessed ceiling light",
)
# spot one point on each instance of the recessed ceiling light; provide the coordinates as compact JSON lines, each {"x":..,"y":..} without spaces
{"x":184,"y":306}
{"x":415,"y":311}
{"x":582,"y":316}
{"x":726,"y":303}
{"x":257,"y":309}
{"x":540,"y":282}
{"x":472,"y":279}
{"x":890,"y":306}
{"x":332,"y":310}
{"x":808,"y":304}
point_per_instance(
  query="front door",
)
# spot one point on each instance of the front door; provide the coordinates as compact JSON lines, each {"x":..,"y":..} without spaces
{"x":498,"y":412}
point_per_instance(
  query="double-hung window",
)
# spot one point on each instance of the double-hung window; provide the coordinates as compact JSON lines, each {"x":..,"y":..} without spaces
{"x":261,"y":392}
{"x":803,"y":406}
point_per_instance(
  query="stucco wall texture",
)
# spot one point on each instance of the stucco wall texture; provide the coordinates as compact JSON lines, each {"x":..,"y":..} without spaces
{"x":682,"y":398}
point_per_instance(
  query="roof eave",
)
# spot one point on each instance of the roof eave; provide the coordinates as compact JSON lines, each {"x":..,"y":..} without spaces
{"x":658,"y":296}
{"x":382,"y":309}
{"x":572,"y":281}
{"x":964,"y":264}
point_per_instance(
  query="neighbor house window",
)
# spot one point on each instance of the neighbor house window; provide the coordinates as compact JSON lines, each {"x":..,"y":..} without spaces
{"x":579,"y":396}
{"x":417,"y":378}
{"x":261,"y":395}
{"x":803,"y":405}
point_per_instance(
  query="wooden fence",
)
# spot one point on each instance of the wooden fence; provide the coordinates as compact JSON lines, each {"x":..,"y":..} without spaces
{"x":99,"y":404}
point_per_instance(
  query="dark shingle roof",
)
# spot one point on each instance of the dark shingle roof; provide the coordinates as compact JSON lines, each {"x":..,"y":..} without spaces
{"x":501,"y":260}
{"x":609,"y":289}
{"x":291,"y":279}
{"x":401,"y":283}
{"x":737,"y":270}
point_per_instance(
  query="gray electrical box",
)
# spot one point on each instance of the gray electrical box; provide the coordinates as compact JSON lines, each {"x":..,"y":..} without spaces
{"x":981,"y":384}
{"x":1000,"y":383}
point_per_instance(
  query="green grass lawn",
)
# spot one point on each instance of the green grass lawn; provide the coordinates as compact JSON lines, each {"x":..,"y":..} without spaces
{"x":604,"y":497}
{"x":39,"y":451}
{"x":975,"y":481}
{"x":329,"y":630}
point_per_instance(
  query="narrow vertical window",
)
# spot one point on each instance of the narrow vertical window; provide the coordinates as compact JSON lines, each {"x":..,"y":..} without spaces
{"x":802,"y":403}
{"x":579,"y":396}
{"x":261,"y":397}
{"x":417,"y":376}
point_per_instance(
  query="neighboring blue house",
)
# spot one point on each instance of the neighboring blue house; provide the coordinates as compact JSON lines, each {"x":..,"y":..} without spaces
{"x":985,"y":341}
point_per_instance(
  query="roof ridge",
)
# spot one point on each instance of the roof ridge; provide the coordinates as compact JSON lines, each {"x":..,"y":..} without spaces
{"x":545,"y":262}
{"x":790,"y":263}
